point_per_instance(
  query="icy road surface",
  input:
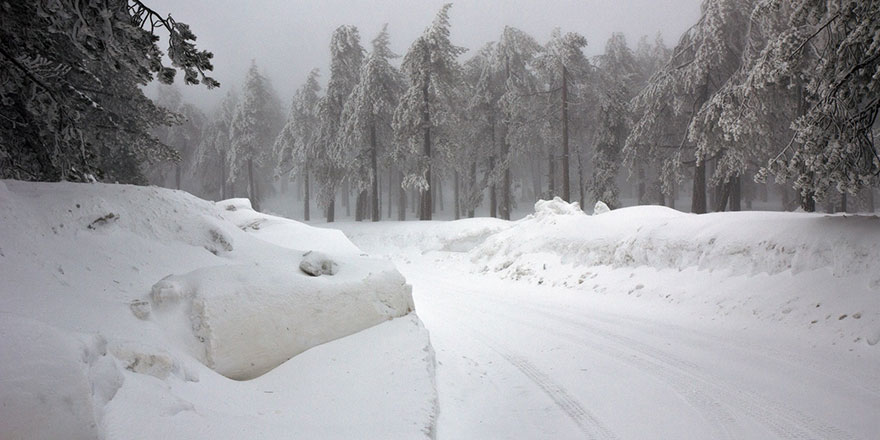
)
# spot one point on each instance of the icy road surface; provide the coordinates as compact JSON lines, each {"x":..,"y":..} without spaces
{"x":527,"y":361}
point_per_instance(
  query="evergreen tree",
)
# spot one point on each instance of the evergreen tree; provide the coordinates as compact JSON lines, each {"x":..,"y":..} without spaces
{"x":214,"y":148}
{"x":706,"y":57}
{"x":296,"y":145}
{"x":70,"y":88}
{"x":431,"y":64}
{"x":513,"y":58}
{"x":346,"y":58}
{"x":367,"y":122}
{"x":563,"y":58}
{"x":821,"y":58}
{"x":184,"y":136}
{"x":477,"y":147}
{"x":252,"y":130}
{"x":618,"y":71}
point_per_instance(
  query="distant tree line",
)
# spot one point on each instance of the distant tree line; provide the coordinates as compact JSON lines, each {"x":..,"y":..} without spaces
{"x":756,"y":89}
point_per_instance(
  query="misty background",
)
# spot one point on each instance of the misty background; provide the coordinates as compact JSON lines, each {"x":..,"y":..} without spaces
{"x":288,"y":38}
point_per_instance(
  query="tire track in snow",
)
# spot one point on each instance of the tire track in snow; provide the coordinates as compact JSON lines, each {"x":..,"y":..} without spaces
{"x":588,"y":423}
{"x":779,"y":417}
{"x":723,"y":424}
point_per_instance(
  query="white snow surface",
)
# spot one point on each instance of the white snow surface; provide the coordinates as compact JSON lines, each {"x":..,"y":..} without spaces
{"x":647,"y":323}
{"x":128,"y":312}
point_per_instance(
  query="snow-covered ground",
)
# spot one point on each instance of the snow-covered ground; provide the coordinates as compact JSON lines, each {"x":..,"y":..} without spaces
{"x":129,"y":312}
{"x":647,"y":323}
{"x":134,"y":312}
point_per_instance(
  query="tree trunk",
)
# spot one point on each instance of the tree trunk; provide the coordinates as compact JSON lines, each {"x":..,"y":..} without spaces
{"x":735,"y":193}
{"x":551,"y":176}
{"x":582,"y":184}
{"x":493,"y":196}
{"x":374,"y":162}
{"x":426,"y":203}
{"x":698,"y":200}
{"x":566,"y":182}
{"x":505,"y":160}
{"x":401,"y":197}
{"x":177,"y":174}
{"x":457,"y":196}
{"x":361,"y":206}
{"x":640,"y":192}
{"x":331,"y":210}
{"x":252,"y":186}
{"x":504,"y":206}
{"x":722,"y":197}
{"x":307,"y":195}
{"x":713,"y":192}
{"x":473,"y":186}
{"x":346,"y":200}
{"x":843,"y":202}
{"x":439,"y":197}
{"x":223,"y":177}
{"x":808,"y":203}
{"x":390,"y":189}
{"x":869,"y":200}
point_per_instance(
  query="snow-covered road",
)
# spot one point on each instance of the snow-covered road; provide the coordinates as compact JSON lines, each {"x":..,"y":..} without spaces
{"x":518,"y":361}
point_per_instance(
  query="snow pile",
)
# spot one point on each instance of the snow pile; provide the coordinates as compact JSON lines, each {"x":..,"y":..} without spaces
{"x":557,"y":206}
{"x":116,"y":302}
{"x":809,"y":270}
{"x":659,"y":237}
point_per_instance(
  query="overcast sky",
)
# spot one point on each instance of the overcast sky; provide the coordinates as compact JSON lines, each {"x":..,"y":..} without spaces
{"x":287,"y":38}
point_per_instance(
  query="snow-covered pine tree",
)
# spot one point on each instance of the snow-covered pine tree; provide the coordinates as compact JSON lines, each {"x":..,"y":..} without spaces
{"x":480,"y":92}
{"x":563,"y":58}
{"x":829,"y":53}
{"x":253,"y":130}
{"x":296,"y":145}
{"x":513,"y":58}
{"x":431,"y":65}
{"x":617,"y":72}
{"x":183,"y":136}
{"x":367,"y":123}
{"x":70,"y":87}
{"x":650,"y":58}
{"x":346,"y":58}
{"x":210,"y":164}
{"x":719,"y":55}
{"x":706,"y":57}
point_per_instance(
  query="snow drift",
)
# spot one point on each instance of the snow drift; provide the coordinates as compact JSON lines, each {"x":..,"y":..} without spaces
{"x":660,"y":237}
{"x":816,"y":272}
{"x":116,"y":297}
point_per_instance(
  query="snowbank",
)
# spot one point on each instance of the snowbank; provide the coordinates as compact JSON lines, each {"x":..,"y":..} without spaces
{"x":742,"y":242}
{"x":814,"y":272}
{"x":122,"y":297}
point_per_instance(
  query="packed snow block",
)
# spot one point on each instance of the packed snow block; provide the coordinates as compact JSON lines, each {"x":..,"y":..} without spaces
{"x":600,"y":208}
{"x":244,"y":320}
